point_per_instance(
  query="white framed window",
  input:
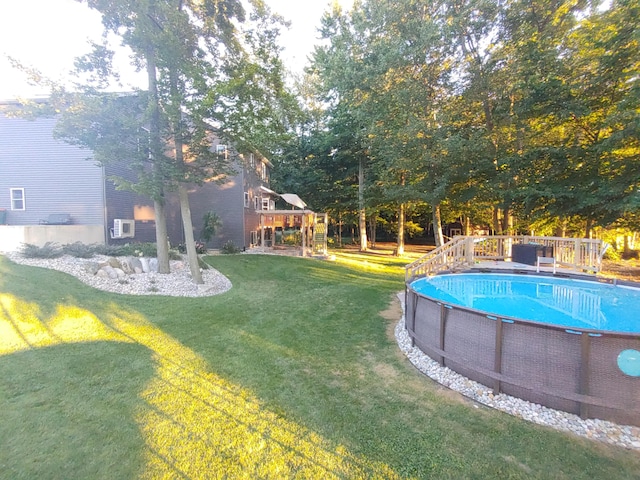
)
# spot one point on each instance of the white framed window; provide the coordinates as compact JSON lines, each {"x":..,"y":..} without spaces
{"x":17,"y":199}
{"x":246,"y":199}
{"x":265,"y":204}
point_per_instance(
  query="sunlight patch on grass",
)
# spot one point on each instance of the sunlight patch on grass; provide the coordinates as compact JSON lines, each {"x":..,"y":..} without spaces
{"x":23,"y":327}
{"x":373,"y":263}
{"x":196,"y":424}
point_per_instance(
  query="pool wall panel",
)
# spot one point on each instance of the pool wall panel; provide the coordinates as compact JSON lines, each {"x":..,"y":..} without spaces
{"x":565,"y":369}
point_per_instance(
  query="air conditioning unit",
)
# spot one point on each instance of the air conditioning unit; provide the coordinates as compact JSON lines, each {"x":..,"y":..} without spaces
{"x":123,"y":228}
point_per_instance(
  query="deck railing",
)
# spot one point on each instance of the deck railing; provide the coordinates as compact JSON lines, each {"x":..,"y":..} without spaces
{"x":576,"y":254}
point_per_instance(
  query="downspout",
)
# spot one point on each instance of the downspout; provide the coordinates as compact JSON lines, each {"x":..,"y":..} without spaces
{"x":105,"y":216}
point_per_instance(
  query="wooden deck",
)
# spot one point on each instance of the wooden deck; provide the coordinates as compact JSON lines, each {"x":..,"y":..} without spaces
{"x":570,"y":255}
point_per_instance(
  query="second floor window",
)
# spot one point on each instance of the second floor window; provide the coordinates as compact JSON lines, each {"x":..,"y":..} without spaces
{"x":246,"y":199}
{"x":17,"y":199}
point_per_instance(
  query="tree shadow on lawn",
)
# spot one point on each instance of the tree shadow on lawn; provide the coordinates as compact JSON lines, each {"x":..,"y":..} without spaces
{"x":68,"y":411}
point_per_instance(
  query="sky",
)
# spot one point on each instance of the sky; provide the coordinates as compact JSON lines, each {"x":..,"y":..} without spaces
{"x":48,"y":34}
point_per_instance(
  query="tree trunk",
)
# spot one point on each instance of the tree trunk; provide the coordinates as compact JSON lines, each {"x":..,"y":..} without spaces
{"x":437,"y":226}
{"x":588,"y":227}
{"x":467,"y":225}
{"x":561,"y":230}
{"x":185,"y":208}
{"x":156,"y":155}
{"x":187,"y":224}
{"x":507,"y":221}
{"x":497,"y":226}
{"x":361,"y":207}
{"x":627,"y":249}
{"x":162,"y":242}
{"x":372,"y":229}
{"x":400,"y":248}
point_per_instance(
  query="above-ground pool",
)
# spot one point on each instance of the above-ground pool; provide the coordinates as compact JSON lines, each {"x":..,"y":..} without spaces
{"x":569,"y":344}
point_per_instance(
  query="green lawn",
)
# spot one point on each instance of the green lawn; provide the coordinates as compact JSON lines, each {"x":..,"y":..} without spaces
{"x":293,"y":373}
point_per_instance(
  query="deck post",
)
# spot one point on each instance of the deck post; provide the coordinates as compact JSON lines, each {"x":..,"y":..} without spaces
{"x":470,"y":253}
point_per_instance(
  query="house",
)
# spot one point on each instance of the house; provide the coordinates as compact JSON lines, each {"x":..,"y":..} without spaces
{"x":53,"y":191}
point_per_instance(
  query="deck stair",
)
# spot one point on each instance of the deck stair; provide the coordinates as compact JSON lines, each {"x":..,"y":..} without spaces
{"x":463,"y":252}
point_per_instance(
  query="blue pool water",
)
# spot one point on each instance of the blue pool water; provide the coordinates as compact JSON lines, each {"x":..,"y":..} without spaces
{"x":565,"y":302}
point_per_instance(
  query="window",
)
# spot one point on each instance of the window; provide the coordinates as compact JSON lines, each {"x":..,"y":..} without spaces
{"x":221,"y":149}
{"x":17,"y":199}
{"x":265,"y":204}
{"x":246,"y":199}
{"x":256,"y":203}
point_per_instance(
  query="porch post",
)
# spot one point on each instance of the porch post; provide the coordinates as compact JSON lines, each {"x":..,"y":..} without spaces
{"x":303,"y":231}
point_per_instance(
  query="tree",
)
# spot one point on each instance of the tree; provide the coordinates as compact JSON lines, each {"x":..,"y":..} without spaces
{"x":190,"y":48}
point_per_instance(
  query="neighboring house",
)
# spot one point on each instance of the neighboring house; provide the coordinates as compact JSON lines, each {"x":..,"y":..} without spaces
{"x":53,"y":191}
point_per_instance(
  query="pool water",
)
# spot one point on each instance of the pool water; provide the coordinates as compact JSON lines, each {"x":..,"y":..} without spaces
{"x":566,"y":302}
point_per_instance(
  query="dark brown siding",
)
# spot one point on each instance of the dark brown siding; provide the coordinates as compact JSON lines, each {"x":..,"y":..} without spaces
{"x":122,"y":203}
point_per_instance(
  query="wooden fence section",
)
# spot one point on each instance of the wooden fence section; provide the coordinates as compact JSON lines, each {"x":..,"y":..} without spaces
{"x":576,"y":254}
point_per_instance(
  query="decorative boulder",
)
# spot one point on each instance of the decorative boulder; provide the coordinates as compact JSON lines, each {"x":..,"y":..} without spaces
{"x":125,"y":265}
{"x":111,"y":272}
{"x":136,"y":265}
{"x":114,"y":262}
{"x":92,"y":267}
{"x":145,"y":265}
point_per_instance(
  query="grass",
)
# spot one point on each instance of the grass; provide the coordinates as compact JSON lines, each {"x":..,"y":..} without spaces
{"x":293,"y":373}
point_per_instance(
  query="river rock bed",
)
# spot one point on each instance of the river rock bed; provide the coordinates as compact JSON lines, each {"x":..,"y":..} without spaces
{"x":133,"y":276}
{"x":621,"y":435}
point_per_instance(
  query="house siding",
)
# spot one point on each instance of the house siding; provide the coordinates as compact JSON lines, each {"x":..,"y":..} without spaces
{"x":227,"y":201}
{"x":74,"y":186}
{"x":62,"y":178}
{"x":128,"y":205}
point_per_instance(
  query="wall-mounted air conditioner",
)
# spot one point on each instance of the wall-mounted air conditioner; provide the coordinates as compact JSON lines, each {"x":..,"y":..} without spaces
{"x":123,"y":228}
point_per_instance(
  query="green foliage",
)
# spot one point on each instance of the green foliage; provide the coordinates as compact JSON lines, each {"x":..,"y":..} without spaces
{"x":229,"y":248}
{"x":201,"y":248}
{"x":487,"y":108}
{"x":292,"y":237}
{"x":48,"y":250}
{"x":80,"y":250}
{"x":211,"y":222}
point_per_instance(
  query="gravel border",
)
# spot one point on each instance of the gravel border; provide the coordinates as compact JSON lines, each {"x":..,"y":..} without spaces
{"x":178,"y":283}
{"x":601,"y":430}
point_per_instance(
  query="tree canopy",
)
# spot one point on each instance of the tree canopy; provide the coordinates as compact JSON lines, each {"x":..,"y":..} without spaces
{"x":526,"y":112}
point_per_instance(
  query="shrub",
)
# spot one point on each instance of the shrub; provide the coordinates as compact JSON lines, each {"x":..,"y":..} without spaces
{"x":110,"y":250}
{"x":612,"y":254}
{"x":201,"y":248}
{"x":211,"y":222}
{"x":48,"y":250}
{"x":79,"y":250}
{"x":229,"y":248}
